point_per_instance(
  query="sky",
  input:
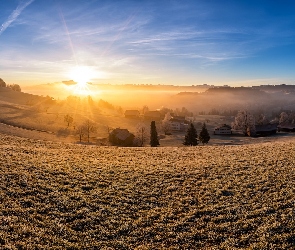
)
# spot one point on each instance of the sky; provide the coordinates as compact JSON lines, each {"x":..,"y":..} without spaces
{"x":188,"y":42}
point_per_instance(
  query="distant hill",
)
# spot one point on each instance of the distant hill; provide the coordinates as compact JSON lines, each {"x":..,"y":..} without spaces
{"x":8,"y":95}
{"x":265,"y":99}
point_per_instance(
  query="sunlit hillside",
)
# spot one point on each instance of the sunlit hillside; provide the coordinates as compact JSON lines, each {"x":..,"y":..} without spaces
{"x":45,"y":114}
{"x":65,"y":196}
{"x":128,"y":95}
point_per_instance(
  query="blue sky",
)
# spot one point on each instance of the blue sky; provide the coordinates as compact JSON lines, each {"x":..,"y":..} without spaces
{"x":148,"y":42}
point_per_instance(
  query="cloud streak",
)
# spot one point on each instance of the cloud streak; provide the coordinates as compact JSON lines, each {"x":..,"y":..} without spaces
{"x":14,"y":15}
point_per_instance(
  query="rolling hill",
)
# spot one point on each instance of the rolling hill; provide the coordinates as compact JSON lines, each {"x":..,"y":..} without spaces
{"x":66,"y":196}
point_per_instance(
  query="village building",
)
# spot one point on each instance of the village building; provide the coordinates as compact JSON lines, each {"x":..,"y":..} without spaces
{"x":121,"y":137}
{"x":132,"y":114}
{"x":175,"y":125}
{"x":267,"y":129}
{"x":178,"y":123}
{"x":223,"y":130}
{"x":286,"y":127}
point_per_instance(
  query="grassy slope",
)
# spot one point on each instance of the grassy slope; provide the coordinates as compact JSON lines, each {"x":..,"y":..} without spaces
{"x":34,"y":113}
{"x":73,"y":196}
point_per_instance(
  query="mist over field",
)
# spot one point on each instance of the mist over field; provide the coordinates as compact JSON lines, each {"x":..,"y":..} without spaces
{"x":195,"y":97}
{"x":212,"y":105}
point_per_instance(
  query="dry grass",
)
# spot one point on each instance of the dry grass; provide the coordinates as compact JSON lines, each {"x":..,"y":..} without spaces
{"x":63,"y":196}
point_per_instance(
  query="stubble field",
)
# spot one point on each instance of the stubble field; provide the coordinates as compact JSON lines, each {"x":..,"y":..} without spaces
{"x":65,"y":196}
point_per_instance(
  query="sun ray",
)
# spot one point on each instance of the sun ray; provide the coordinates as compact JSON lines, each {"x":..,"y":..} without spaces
{"x":81,"y":75}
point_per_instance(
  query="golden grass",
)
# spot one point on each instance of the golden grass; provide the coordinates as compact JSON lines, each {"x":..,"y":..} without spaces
{"x":65,"y":196}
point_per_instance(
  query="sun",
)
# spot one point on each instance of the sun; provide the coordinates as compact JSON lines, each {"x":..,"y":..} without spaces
{"x":82,"y":75}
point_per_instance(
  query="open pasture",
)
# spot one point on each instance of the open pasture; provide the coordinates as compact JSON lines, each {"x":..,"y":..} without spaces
{"x":65,"y":196}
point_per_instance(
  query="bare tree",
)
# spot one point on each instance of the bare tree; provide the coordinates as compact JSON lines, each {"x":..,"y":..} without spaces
{"x":166,"y":127}
{"x":145,"y":109}
{"x":244,"y":121}
{"x":262,"y":120}
{"x":142,"y":134}
{"x":81,"y":131}
{"x":284,"y":117}
{"x":68,"y":119}
{"x":89,"y":128}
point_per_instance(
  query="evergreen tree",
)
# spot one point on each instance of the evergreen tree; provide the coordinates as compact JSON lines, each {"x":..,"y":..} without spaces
{"x":154,"y":142}
{"x":191,"y":137}
{"x":204,"y":136}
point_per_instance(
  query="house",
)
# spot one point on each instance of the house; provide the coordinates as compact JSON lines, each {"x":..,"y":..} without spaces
{"x":179,"y":118}
{"x":178,"y":124}
{"x":286,"y":127}
{"x":175,"y":125}
{"x":267,"y":129}
{"x":131,"y":114}
{"x":121,"y":137}
{"x":152,"y":115}
{"x":223,"y":130}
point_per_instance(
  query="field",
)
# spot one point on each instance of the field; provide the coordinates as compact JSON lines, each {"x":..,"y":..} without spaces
{"x":55,"y":195}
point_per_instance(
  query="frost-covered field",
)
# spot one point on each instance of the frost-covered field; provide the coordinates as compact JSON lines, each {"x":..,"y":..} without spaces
{"x":65,"y":196}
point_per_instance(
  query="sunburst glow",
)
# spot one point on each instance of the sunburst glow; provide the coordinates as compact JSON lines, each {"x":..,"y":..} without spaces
{"x":81,"y":75}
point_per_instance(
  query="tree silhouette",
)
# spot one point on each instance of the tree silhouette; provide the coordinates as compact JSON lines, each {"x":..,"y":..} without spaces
{"x":89,"y":128}
{"x":191,"y":137}
{"x":154,"y":142}
{"x":2,"y":83}
{"x":166,"y":127}
{"x":14,"y":87}
{"x":68,"y":119}
{"x":141,"y":135}
{"x":204,"y":136}
{"x":245,"y":122}
{"x":81,"y":131}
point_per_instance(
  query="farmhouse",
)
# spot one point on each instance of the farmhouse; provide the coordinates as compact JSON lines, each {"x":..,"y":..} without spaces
{"x":287,"y":127}
{"x":267,"y":129}
{"x":176,"y":125}
{"x":132,"y":114}
{"x":121,"y":137}
{"x":223,"y":130}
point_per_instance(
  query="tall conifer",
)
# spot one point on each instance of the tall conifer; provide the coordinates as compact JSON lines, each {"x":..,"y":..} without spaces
{"x":154,"y":142}
{"x":204,"y":136}
{"x":191,"y":137}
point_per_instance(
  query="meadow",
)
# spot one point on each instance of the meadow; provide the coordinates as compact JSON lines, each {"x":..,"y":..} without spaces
{"x":56,"y":195}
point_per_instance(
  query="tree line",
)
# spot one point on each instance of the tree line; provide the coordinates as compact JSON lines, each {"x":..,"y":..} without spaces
{"x":191,"y":138}
{"x":14,"y":87}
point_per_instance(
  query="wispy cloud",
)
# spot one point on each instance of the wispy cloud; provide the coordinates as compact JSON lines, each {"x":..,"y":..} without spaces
{"x":14,"y":15}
